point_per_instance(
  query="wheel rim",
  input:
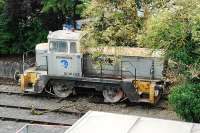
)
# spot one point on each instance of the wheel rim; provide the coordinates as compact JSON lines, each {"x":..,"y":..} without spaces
{"x":16,"y":76}
{"x":39,"y":86}
{"x":62,"y":91}
{"x":113,"y":96}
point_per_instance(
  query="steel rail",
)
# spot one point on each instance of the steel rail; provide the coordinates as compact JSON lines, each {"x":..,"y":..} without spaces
{"x":96,"y":101}
{"x":33,"y":121}
{"x":4,"y":82}
{"x":11,"y":93}
{"x":13,"y":84}
{"x":25,"y":94}
{"x":45,"y":110}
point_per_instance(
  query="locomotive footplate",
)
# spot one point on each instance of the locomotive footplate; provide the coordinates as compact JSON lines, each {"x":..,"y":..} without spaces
{"x":113,"y":90}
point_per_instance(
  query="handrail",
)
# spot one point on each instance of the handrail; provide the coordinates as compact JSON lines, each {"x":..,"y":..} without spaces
{"x":23,"y":58}
{"x":130,"y":64}
{"x":129,"y":71}
{"x":101,"y":73}
{"x":101,"y":70}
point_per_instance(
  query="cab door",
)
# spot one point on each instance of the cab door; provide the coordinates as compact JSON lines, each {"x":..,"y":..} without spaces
{"x":64,"y":59}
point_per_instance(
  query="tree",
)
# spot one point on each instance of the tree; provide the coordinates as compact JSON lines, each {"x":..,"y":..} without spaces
{"x":68,"y":8}
{"x":112,"y":23}
{"x":2,"y":2}
{"x":20,"y":26}
{"x":6,"y":36}
{"x":175,"y":29}
{"x":24,"y":23}
{"x":185,"y":101}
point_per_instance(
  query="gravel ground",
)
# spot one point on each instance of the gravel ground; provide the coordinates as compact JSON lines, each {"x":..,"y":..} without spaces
{"x":122,"y":108}
{"x":78,"y":103}
{"x":47,"y":117}
{"x":9,"y":88}
{"x":84,"y":104}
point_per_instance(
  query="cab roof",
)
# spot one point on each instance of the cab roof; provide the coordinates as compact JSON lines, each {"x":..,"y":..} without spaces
{"x":64,"y":35}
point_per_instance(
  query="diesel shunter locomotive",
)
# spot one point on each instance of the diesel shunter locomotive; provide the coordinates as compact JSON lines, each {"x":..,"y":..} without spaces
{"x":61,"y":66}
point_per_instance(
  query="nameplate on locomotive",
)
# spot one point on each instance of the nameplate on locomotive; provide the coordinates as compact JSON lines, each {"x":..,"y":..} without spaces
{"x":63,"y":57}
{"x":72,"y":74}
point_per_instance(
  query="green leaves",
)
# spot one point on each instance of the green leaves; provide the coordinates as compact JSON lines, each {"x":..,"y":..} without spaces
{"x":185,"y":100}
{"x":20,"y":27}
{"x":66,"y":7}
{"x":58,"y":5}
{"x":29,"y":35}
{"x":114,"y":23}
{"x":174,"y":27}
{"x":6,"y":37}
{"x":26,"y":22}
{"x":176,"y":31}
{"x":2,"y":3}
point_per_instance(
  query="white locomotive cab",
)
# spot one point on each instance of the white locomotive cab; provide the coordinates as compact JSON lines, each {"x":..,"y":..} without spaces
{"x":64,"y":57}
{"x":41,"y":56}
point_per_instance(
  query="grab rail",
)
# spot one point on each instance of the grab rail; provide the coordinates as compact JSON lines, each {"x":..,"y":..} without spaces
{"x":135,"y":70}
{"x":25,"y":54}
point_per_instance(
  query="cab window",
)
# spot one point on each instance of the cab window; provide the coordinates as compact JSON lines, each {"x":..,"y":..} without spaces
{"x":58,"y":46}
{"x":73,"y":48}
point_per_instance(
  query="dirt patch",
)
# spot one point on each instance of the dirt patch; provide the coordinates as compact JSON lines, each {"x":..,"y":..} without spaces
{"x":86,"y":103}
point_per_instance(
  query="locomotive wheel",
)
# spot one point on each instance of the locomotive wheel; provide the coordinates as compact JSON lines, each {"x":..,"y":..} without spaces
{"x":16,"y":76}
{"x":62,"y":90}
{"x":39,"y":86}
{"x":112,"y":96}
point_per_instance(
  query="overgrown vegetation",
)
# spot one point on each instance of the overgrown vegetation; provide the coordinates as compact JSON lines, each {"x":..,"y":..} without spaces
{"x":175,"y":29}
{"x":24,"y":23}
{"x":20,"y":26}
{"x":112,"y":23}
{"x":2,"y":3}
{"x":185,"y":100}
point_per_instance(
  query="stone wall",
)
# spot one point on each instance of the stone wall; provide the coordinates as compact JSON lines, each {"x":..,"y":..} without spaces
{"x":7,"y":69}
{"x":9,"y":65}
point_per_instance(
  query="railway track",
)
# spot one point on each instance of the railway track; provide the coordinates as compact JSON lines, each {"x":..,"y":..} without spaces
{"x":96,"y":101}
{"x":34,"y":115}
{"x":11,"y":93}
{"x":44,"y":110}
{"x":15,"y":101}
{"x":14,"y":90}
{"x":26,"y":94}
{"x":91,"y":100}
{"x":7,"y":81}
{"x":26,"y":113}
{"x":32,"y":121}
{"x":125,"y":101}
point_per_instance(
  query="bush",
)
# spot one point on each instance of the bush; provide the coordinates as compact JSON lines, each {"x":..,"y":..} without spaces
{"x":175,"y":30}
{"x":185,"y":100}
{"x":28,"y":35}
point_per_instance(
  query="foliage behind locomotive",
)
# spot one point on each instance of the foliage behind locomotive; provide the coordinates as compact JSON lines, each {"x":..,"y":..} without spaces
{"x":61,"y":67}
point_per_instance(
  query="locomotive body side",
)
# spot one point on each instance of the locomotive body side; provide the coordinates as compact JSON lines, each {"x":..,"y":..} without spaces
{"x":61,"y":67}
